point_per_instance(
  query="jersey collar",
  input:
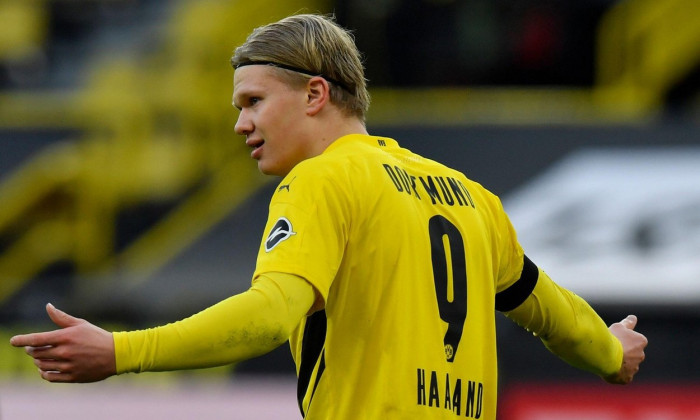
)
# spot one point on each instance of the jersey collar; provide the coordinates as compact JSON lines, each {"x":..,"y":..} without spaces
{"x":380,"y":142}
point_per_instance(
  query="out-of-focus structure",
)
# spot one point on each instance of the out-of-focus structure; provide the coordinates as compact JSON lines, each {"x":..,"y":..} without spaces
{"x":150,"y":129}
{"x":125,"y":195}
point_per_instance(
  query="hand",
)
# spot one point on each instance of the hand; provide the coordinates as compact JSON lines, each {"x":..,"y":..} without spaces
{"x":633,"y":344}
{"x":78,"y":352}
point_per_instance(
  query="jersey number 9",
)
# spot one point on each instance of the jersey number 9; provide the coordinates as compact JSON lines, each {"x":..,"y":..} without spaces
{"x":450,"y":276}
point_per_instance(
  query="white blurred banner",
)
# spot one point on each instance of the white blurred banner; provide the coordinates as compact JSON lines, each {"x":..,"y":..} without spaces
{"x":616,"y":225}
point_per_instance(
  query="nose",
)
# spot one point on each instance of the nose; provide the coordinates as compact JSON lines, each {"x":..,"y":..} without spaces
{"x":244,"y":125}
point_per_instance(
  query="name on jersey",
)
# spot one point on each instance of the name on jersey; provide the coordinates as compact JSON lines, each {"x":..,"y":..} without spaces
{"x":463,"y":398}
{"x":443,"y":190}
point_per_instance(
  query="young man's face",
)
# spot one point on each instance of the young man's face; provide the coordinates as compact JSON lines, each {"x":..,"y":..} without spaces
{"x":272,"y":118}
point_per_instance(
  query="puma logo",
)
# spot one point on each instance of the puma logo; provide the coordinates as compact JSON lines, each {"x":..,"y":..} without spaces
{"x":286,"y":186}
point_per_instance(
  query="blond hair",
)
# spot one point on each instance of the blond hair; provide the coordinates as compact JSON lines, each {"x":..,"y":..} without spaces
{"x":307,"y":45}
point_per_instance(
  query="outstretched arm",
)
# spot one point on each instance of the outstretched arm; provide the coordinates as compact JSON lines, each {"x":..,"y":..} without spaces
{"x":238,"y":328}
{"x":572,"y":330}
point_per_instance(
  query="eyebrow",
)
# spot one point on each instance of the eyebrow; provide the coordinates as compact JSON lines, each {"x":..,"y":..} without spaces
{"x":294,"y":69}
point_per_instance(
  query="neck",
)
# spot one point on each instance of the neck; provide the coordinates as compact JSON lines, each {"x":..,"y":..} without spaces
{"x":339,"y":128}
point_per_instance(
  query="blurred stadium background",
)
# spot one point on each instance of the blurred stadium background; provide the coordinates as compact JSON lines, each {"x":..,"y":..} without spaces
{"x":126,"y":197}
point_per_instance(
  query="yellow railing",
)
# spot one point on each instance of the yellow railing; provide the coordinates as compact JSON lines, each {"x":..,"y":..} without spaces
{"x":156,"y":129}
{"x":645,"y":47}
{"x":24,"y":28}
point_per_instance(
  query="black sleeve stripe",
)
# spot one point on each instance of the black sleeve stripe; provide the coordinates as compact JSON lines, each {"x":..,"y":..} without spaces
{"x":319,"y":374}
{"x":311,"y":350}
{"x":512,"y":297}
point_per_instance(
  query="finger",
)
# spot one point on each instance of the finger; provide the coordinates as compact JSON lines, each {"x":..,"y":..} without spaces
{"x":50,"y":365}
{"x":20,"y":341}
{"x":49,"y":338}
{"x":61,"y":318}
{"x":46,"y":352}
{"x":55,"y":376}
{"x":629,"y":322}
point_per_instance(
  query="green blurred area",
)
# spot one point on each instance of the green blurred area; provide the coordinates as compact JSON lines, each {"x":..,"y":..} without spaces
{"x":147,"y":129}
{"x":151,"y":130}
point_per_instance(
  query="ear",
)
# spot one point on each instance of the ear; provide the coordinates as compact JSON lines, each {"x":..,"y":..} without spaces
{"x":317,"y":95}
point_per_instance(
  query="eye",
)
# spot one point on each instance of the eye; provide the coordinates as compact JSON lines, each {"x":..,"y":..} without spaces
{"x":247,"y":102}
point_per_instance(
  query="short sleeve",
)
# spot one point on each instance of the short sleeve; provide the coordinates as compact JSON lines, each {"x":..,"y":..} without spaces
{"x":307,"y":226}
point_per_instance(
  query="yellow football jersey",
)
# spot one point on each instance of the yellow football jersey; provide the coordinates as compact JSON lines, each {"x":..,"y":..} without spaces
{"x":411,"y":259}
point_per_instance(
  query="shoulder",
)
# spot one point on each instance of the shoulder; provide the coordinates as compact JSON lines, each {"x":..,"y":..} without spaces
{"x":311,"y":181}
{"x":341,"y":160}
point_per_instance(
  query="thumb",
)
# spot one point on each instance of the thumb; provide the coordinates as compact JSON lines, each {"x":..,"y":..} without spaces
{"x":630,"y":322}
{"x":61,"y":318}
